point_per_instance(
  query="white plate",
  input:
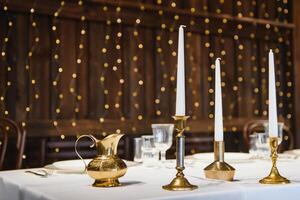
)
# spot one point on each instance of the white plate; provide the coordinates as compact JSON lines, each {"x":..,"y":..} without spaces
{"x":76,"y":166}
{"x":295,"y":152}
{"x":230,"y":157}
{"x":71,"y":165}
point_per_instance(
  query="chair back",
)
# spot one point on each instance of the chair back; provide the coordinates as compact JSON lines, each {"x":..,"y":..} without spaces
{"x":10,"y":130}
{"x":258,"y":125}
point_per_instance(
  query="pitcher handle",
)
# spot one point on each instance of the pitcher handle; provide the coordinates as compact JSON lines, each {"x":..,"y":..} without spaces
{"x":80,"y":137}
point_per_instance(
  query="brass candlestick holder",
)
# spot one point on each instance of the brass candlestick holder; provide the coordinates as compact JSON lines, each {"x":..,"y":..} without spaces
{"x":180,"y":183}
{"x":274,"y":177}
{"x":219,"y":169}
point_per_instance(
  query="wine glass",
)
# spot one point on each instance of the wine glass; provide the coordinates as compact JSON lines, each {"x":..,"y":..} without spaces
{"x":262,"y":144}
{"x":253,"y":145}
{"x":280,"y":131}
{"x":163,"y":137}
{"x":149,"y":151}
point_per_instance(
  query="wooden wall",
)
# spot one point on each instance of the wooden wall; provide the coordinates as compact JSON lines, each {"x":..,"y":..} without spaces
{"x":99,"y":66}
{"x":296,"y":42}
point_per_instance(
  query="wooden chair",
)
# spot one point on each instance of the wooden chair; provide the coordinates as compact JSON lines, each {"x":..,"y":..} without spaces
{"x":258,"y":125}
{"x":10,"y":130}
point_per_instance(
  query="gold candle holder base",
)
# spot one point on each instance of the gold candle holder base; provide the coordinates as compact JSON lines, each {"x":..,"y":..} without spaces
{"x":274,"y":177}
{"x":106,"y":183}
{"x":180,"y":183}
{"x":219,"y":169}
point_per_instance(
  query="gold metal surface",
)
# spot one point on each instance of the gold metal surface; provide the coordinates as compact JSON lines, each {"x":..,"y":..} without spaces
{"x":219,"y":169}
{"x":179,"y":183}
{"x":107,"y":167}
{"x":106,"y":183}
{"x":180,"y":124}
{"x":274,"y":177}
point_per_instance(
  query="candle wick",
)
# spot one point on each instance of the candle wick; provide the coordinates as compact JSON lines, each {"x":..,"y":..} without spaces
{"x":182,"y":26}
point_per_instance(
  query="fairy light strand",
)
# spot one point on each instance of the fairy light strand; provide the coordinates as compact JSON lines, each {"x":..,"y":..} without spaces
{"x":104,"y":69}
{"x":138,"y":58}
{"x":58,"y":68}
{"x":4,"y":62}
{"x":74,"y":82}
{"x":117,"y":67}
{"x":31,"y":80}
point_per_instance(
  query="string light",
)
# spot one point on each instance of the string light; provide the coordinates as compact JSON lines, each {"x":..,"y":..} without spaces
{"x":56,"y":63}
{"x":33,"y":85}
{"x":74,"y":82}
{"x":193,"y":111}
{"x":163,"y":93}
{"x":135,"y":66}
{"x":4,"y":61}
{"x":118,"y":65}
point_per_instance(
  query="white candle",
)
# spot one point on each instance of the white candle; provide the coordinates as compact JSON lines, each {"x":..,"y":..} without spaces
{"x":218,"y":103}
{"x":273,"y":127}
{"x":180,"y":91}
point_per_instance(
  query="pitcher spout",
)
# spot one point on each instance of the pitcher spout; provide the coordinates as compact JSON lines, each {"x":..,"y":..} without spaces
{"x":109,"y":145}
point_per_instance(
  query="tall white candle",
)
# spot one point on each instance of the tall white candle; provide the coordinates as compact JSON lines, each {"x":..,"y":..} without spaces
{"x":273,"y":127}
{"x":218,"y":103}
{"x":180,"y":91}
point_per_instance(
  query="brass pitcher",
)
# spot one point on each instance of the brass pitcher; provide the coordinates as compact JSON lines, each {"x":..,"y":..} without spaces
{"x":107,"y":167}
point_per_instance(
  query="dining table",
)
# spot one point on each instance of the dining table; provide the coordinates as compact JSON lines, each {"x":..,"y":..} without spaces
{"x":145,"y":182}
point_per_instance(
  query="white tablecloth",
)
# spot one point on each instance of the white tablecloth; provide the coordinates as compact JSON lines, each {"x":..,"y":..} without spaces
{"x":145,"y":183}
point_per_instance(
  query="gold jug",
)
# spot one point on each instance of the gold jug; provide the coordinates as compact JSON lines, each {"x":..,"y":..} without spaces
{"x":107,"y":167}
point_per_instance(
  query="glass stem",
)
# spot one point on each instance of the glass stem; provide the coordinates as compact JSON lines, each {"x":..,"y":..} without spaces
{"x":163,"y":156}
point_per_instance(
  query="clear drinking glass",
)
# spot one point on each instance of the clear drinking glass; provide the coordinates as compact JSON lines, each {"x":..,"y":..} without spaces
{"x":253,"y":145}
{"x":163,"y":138}
{"x":138,"y":150}
{"x":262,"y":144}
{"x":149,"y":150}
{"x":280,"y":131}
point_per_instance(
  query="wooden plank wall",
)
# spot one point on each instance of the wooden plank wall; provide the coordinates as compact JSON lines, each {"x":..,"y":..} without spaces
{"x":96,"y":66}
{"x":296,"y":67}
